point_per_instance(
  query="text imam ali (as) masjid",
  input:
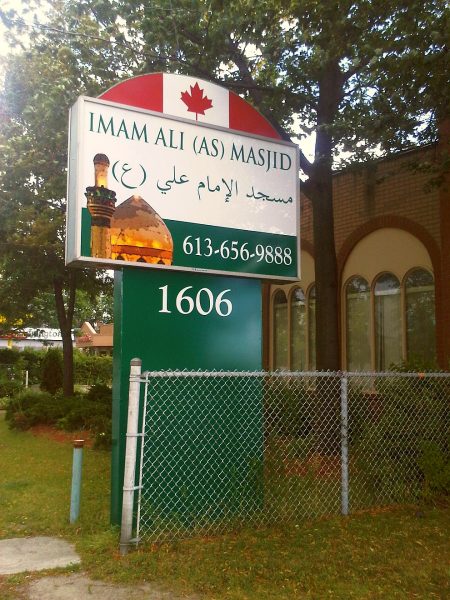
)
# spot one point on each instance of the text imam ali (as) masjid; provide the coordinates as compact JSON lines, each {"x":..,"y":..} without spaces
{"x":132,"y":232}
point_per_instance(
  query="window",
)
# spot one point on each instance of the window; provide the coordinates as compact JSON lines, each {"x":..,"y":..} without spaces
{"x":385,"y":323}
{"x":294,"y":329}
{"x":388,"y":339}
{"x":420,"y":316}
{"x":298,"y":330}
{"x":358,"y":325}
{"x":280,"y":331}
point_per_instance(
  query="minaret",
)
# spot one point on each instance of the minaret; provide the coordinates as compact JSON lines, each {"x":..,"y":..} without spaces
{"x":101,"y":205}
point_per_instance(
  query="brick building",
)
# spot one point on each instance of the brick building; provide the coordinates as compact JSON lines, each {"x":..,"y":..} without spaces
{"x":392,"y":233}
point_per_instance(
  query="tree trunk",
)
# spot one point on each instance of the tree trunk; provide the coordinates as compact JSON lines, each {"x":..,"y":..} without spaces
{"x":327,"y":332}
{"x":327,"y":423}
{"x":327,"y":340}
{"x":65,"y":320}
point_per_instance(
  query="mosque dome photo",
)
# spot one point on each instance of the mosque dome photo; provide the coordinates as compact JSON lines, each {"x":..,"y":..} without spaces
{"x":139,"y":234}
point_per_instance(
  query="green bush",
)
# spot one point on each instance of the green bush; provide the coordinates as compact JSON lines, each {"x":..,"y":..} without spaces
{"x":100,"y":393}
{"x":11,"y":373}
{"x":9,"y":387}
{"x":91,"y":369}
{"x":38,"y":407}
{"x":91,"y":411}
{"x":9,"y":356}
{"x":288,"y":408}
{"x":32,"y":360}
{"x":412,"y":414}
{"x":52,"y":371}
{"x":4,"y":402}
{"x":434,"y":463}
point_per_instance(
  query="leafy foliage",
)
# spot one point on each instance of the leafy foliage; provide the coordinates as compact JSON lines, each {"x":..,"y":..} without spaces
{"x":11,"y":372}
{"x":52,"y":371}
{"x":434,"y":462}
{"x":90,"y":411}
{"x":401,"y":449}
{"x":366,"y":77}
{"x":91,"y":369}
{"x":40,"y":85}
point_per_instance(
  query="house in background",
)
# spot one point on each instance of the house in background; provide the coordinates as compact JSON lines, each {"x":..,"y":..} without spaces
{"x":392,"y":233}
{"x":96,"y":341}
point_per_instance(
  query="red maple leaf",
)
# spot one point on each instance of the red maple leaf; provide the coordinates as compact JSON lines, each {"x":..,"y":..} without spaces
{"x":196,"y":101}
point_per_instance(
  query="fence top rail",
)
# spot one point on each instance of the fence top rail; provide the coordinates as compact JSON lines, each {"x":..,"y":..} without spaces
{"x":289,"y":374}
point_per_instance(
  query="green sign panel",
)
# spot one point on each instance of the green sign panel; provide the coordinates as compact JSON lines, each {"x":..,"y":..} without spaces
{"x":185,"y":321}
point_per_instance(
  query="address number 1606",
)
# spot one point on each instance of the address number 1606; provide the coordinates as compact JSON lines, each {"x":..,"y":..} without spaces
{"x":204,"y":302}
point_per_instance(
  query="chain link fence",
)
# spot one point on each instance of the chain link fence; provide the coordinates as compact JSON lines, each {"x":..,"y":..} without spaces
{"x":220,"y":450}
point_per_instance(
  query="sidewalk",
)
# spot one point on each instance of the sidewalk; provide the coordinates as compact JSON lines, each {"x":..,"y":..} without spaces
{"x":42,"y":553}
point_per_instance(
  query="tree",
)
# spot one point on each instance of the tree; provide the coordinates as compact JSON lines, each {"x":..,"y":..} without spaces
{"x":52,"y":371}
{"x":366,"y":77}
{"x":40,"y":85}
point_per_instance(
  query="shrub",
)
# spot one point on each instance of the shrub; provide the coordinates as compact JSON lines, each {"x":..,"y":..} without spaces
{"x":91,"y":369}
{"x":32,"y":360}
{"x":9,"y":387}
{"x":27,"y":408}
{"x":52,"y":371}
{"x":100,"y":393}
{"x":4,"y":402}
{"x":9,"y":356}
{"x":11,"y":373}
{"x":413,"y":417}
{"x":90,"y":411}
{"x":434,"y":463}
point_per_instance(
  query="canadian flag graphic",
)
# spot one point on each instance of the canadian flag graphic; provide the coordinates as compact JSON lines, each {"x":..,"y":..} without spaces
{"x":190,"y":98}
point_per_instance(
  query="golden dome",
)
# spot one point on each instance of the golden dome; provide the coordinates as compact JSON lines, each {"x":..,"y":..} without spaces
{"x":139,"y":234}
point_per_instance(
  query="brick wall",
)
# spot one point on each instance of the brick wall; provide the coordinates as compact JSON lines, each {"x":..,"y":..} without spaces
{"x":384,"y":188}
{"x":392,"y":193}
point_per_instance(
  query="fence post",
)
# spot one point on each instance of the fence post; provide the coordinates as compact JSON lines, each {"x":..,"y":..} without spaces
{"x":344,"y":444}
{"x":130,"y":456}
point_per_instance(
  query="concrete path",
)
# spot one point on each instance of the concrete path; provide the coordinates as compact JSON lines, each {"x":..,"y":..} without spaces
{"x":35,"y":554}
{"x":80,"y":587}
{"x":38,"y":553}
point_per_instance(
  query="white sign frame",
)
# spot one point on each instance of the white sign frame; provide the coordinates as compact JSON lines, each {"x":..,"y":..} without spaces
{"x":266,"y":168}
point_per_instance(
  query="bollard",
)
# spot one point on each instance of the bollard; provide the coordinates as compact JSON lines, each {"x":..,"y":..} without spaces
{"x":76,"y":480}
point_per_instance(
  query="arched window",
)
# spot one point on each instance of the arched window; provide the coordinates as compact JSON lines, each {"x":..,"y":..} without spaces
{"x":358,"y":324}
{"x":298,"y":330}
{"x":420,"y":316}
{"x":312,"y":328}
{"x":280,"y":331}
{"x":388,"y":338}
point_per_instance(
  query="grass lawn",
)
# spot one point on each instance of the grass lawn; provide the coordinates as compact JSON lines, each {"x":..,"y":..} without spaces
{"x":386,"y":554}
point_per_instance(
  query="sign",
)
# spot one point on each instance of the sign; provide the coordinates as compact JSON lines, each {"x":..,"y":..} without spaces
{"x":209,"y":180}
{"x":175,"y":321}
{"x":149,"y":190}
